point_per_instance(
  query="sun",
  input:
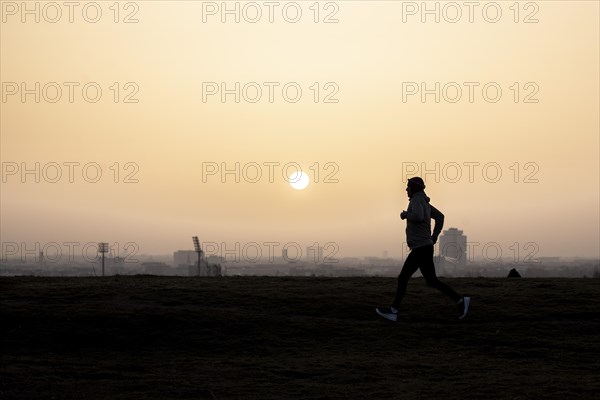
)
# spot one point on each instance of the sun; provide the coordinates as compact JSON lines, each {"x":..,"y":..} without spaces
{"x":299,"y":180}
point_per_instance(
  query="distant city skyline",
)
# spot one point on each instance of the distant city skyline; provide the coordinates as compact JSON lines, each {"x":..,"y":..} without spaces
{"x":452,"y":239}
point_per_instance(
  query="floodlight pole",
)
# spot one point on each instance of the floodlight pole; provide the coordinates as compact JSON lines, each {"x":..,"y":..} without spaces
{"x":198,"y":252}
{"x":200,"y":259}
{"x":103,"y":249}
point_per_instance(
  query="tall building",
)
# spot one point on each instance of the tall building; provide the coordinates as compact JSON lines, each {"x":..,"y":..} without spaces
{"x":453,"y":246}
{"x":188,"y":259}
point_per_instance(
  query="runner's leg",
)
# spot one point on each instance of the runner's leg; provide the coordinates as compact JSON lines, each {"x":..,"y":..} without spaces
{"x":411,"y":264}
{"x":427,"y":268}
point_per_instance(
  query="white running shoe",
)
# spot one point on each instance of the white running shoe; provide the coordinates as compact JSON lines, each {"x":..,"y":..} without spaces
{"x":464,"y":307}
{"x":387,"y":313}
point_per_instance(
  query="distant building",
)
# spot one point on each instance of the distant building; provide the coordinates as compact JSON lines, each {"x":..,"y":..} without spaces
{"x":185,"y":257}
{"x":453,"y":247}
{"x":214,"y":259}
{"x":187,"y":260}
{"x":190,"y":257}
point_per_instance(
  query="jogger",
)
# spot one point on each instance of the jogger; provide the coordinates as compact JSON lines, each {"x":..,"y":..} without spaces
{"x":420,"y":239}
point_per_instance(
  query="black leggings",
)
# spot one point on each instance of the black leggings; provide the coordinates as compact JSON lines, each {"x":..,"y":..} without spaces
{"x":421,"y":258}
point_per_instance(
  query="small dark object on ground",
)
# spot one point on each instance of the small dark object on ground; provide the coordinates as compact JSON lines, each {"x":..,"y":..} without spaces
{"x":514,"y":273}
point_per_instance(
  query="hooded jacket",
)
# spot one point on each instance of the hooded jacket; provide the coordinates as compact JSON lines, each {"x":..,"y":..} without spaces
{"x":418,"y":221}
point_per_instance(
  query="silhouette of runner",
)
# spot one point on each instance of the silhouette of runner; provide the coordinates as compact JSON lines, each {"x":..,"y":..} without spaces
{"x":420,"y":240}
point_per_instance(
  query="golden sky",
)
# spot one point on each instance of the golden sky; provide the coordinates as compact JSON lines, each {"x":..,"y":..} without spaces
{"x":370,"y":58}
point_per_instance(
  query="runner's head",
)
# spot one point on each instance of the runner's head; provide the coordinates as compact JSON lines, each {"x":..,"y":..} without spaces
{"x":414,"y":185}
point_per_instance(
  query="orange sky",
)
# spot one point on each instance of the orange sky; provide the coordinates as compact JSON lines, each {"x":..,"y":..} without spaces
{"x":370,"y":136}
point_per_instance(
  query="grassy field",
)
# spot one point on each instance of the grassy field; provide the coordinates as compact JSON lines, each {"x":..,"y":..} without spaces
{"x":145,"y":337}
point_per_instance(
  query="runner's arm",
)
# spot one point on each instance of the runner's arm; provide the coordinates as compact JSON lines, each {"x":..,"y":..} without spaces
{"x":438,"y":217}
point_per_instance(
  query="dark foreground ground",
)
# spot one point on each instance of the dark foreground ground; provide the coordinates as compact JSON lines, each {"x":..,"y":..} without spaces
{"x":145,"y":337}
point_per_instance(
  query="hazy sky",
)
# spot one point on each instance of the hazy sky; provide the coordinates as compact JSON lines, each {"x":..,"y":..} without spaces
{"x":372,"y":62}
